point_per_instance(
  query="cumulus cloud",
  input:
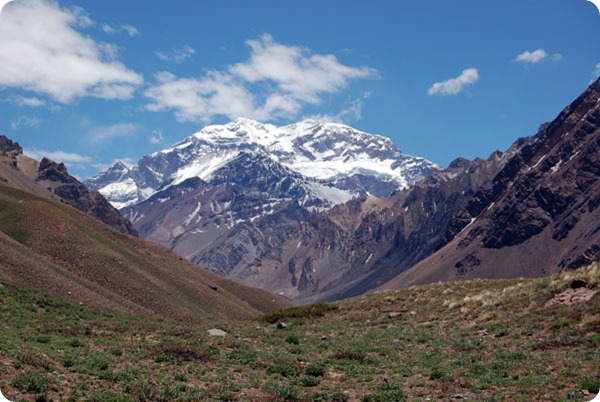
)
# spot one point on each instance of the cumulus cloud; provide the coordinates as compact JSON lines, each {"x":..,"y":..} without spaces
{"x":536,"y":56}
{"x":296,"y":72}
{"x":103,"y":134}
{"x":178,"y":55}
{"x":64,"y":65}
{"x":57,"y":156}
{"x":276,"y":82}
{"x":454,"y":86}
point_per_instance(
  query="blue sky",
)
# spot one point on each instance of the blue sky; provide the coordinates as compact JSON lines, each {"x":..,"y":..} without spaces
{"x":91,"y":82}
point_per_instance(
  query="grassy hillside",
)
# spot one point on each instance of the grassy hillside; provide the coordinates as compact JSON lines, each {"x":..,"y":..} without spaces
{"x":513,"y":340}
{"x":49,"y":245}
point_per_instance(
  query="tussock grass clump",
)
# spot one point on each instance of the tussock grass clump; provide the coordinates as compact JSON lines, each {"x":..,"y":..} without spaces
{"x":524,"y":292}
{"x":312,"y":311}
{"x":32,"y":381}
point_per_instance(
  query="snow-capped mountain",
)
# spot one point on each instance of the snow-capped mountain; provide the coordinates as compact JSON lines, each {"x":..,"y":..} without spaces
{"x":337,"y":162}
{"x":229,"y":194}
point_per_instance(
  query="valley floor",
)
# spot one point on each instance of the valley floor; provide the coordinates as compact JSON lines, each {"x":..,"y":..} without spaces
{"x":508,"y":340}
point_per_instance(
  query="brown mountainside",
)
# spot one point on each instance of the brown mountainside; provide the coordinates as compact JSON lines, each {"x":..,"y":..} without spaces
{"x":47,"y":244}
{"x":51,"y":179}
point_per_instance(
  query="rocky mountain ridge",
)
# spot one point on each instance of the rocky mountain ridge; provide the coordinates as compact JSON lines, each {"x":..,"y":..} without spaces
{"x":227,"y":195}
{"x":539,"y":215}
{"x":528,"y":211}
{"x":51,"y":179}
{"x":344,"y":160}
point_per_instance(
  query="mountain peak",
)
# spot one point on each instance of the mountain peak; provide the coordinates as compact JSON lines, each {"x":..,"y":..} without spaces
{"x":8,"y":146}
{"x":120,"y":166}
{"x":332,"y":154}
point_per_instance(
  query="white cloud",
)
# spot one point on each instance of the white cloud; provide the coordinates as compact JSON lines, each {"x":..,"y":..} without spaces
{"x":112,"y":30}
{"x":295,"y":71}
{"x":64,"y":64}
{"x":25,"y":121}
{"x":177,"y":55}
{"x":536,"y":56}
{"x":103,"y":134}
{"x":27,"y":101}
{"x":109,"y":29}
{"x":157,"y":137}
{"x":532,"y":57}
{"x":57,"y":156}
{"x":454,"y":86}
{"x":131,"y":30}
{"x":276,"y":82}
{"x":200,"y":99}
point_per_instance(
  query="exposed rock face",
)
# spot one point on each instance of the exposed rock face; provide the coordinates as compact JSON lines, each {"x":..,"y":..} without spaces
{"x":360,"y":245}
{"x":529,"y":211}
{"x":70,"y":190}
{"x":538,"y":215}
{"x":229,"y":195}
{"x":9,"y":147}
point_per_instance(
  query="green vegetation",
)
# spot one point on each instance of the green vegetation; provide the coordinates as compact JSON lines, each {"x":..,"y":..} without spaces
{"x":312,"y":311}
{"x":476,"y":340}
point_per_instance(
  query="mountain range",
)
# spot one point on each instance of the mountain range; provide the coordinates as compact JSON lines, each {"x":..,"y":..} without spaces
{"x":228,"y":194}
{"x":58,"y":236}
{"x":321,"y":211}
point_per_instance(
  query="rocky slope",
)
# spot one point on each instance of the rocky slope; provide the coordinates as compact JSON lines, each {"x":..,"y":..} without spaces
{"x":362,"y":244}
{"x":228,"y":194}
{"x":47,"y":244}
{"x":540,"y":213}
{"x":51,"y":179}
{"x":529,"y":211}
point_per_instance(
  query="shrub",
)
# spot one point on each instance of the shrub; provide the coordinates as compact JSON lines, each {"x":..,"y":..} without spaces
{"x":108,"y":396}
{"x":31,"y":381}
{"x":293,"y":339}
{"x":315,"y":370}
{"x":285,"y":369}
{"x":387,"y":392}
{"x":309,"y":381}
{"x":315,"y":310}
{"x":76,"y":343}
{"x":182,"y":353}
